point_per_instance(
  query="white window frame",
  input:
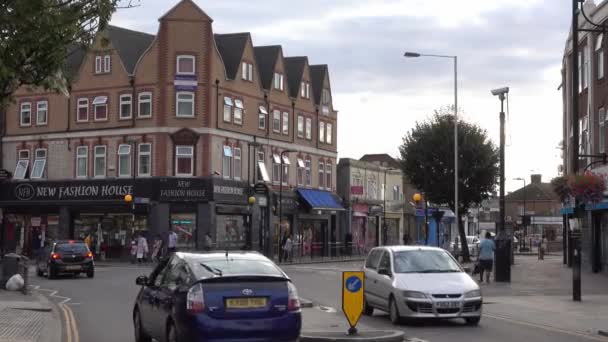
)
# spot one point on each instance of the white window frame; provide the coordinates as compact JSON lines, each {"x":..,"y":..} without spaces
{"x":22,"y":111}
{"x":107,"y":64}
{"x":328,"y":175}
{"x":321,"y":176}
{"x":303,"y":89}
{"x":122,"y":154}
{"x":81,"y":103}
{"x":240,"y":109}
{"x":308,"y":90}
{"x":308,"y":129}
{"x":179,"y":155}
{"x":23,"y":162}
{"x":141,"y":154}
{"x":580,"y":71}
{"x":45,"y":103}
{"x":262,"y":171}
{"x":191,"y":57}
{"x":124,"y":100}
{"x":40,"y":156}
{"x":278,"y":81}
{"x":98,"y":64}
{"x":247,"y":71}
{"x":97,"y":155}
{"x":300,"y":126}
{"x":602,"y":130}
{"x":286,"y":165}
{"x":262,"y":115}
{"x":84,"y":156}
{"x":308,"y":172}
{"x":322,"y":131}
{"x":100,"y":101}
{"x":141,"y":101}
{"x":276,"y":121}
{"x":600,"y":56}
{"x":178,"y":100}
{"x":227,"y":156}
{"x":328,"y":133}
{"x":285,"y":123}
{"x":237,"y":164}
{"x":300,"y":168}
{"x":228,"y":105}
{"x":276,"y":169}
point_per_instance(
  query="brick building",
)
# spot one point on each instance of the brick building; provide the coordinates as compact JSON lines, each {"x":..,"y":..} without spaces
{"x":593,"y":125}
{"x":186,"y":121}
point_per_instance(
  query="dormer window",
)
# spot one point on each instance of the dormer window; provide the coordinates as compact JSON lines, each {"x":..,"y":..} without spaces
{"x":103,"y":64}
{"x":305,"y":90}
{"x":247,"y":71}
{"x":278,"y":81}
{"x":325,"y":101}
{"x":185,"y":65}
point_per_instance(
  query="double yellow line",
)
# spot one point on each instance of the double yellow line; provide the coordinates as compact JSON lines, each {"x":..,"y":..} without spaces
{"x":71,"y":328}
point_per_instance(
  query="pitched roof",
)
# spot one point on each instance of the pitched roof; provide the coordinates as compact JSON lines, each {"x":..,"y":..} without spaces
{"x":383,"y":159}
{"x":266,"y":58}
{"x":231,"y":47}
{"x":129,"y":44}
{"x":533,"y":192}
{"x":294,"y":66}
{"x":75,"y":56}
{"x":317,"y":74}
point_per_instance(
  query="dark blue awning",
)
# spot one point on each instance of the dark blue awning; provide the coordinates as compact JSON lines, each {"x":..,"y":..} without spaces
{"x":320,"y":200}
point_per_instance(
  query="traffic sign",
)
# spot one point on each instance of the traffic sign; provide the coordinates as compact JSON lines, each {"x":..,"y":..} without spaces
{"x":352,"y":296}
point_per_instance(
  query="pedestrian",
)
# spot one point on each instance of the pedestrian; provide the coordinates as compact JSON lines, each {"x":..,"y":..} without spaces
{"x":208,"y":242}
{"x":142,"y":248}
{"x":542,"y":248}
{"x":486,"y":257}
{"x":171,"y":242}
{"x":456,"y":249}
{"x":133,"y":249}
{"x":281,"y":254}
{"x":287,"y":249}
{"x":156,"y":248}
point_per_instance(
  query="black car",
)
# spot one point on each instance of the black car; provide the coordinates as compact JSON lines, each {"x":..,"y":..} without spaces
{"x":65,"y":256}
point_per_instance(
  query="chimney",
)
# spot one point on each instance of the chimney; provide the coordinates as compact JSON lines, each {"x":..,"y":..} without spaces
{"x":536,"y":179}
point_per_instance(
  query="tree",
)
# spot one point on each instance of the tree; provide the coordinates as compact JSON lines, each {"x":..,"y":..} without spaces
{"x":36,"y":37}
{"x":427,"y":155}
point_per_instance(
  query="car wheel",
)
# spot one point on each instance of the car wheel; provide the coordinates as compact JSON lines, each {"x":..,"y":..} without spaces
{"x":171,"y":332}
{"x":51,"y":273}
{"x":140,"y":334}
{"x":394,"y":311}
{"x":91,"y":273}
{"x":472,"y":320}
{"x":367,"y":309}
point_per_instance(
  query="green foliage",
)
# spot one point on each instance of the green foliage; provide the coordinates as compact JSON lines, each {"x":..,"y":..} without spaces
{"x":36,"y":37}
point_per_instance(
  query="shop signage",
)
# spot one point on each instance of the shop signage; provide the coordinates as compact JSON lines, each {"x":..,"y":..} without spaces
{"x":230,"y":191}
{"x":5,"y":174}
{"x":356,"y":190}
{"x":184,"y":189}
{"x":56,"y":191}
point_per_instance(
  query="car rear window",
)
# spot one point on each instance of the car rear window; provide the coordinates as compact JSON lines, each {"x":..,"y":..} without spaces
{"x":373,"y":258}
{"x":77,"y":248}
{"x":204,"y":268}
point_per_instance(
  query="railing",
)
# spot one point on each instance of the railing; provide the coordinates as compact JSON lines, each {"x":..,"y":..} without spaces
{"x":305,"y":252}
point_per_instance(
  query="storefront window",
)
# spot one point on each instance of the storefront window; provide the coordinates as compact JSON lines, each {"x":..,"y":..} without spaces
{"x":111,"y":234}
{"x":184,"y":225}
{"x":230,"y":232}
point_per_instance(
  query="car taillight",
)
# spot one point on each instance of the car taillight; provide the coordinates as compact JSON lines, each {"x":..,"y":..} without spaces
{"x":55,"y":256}
{"x":293,"y":300}
{"x":195,"y":299}
{"x":89,"y":255}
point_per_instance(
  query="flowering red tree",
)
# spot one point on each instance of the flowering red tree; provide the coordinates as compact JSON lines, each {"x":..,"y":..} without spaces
{"x":587,"y":188}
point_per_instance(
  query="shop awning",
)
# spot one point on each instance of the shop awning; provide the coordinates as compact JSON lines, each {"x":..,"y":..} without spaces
{"x":320,"y":200}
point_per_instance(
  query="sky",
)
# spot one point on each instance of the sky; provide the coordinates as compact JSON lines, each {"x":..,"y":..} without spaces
{"x":380,"y":95}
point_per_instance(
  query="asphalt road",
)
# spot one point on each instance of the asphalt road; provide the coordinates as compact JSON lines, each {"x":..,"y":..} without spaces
{"x":102,"y":307}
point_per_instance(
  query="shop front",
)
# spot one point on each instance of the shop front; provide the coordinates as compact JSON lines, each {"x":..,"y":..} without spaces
{"x":318,"y":223}
{"x":232,"y":216}
{"x":359,"y":228}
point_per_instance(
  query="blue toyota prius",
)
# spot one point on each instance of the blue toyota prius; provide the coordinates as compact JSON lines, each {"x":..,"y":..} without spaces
{"x":228,"y":296}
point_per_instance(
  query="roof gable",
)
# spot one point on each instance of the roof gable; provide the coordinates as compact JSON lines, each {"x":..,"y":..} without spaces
{"x":318,"y":74}
{"x":533,"y":192}
{"x":129,"y":44}
{"x":186,"y":9}
{"x":266,"y":58}
{"x":294,"y":67}
{"x":231,"y":47}
{"x":383,"y":159}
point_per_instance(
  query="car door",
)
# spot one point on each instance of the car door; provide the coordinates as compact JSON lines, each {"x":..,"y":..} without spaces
{"x":371,"y":277}
{"x":176,"y":276}
{"x":384,"y":283}
{"x":149,"y":298}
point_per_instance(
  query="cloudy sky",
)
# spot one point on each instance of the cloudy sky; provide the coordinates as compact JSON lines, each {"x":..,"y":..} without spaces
{"x":380,"y":95}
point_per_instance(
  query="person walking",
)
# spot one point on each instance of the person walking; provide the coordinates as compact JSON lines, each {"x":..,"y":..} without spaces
{"x":208,"y":242}
{"x":142,"y":248}
{"x":486,"y":257}
{"x":133,"y":249}
{"x":156,"y":248}
{"x":288,"y":248}
{"x":542,"y":248}
{"x":171,"y":242}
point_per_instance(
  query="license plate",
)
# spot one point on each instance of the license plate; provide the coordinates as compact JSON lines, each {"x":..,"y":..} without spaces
{"x":245,"y":303}
{"x":447,"y":305}
{"x":73,"y":268}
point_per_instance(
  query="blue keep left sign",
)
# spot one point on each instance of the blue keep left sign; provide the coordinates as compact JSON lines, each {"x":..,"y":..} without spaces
{"x":353,"y":284}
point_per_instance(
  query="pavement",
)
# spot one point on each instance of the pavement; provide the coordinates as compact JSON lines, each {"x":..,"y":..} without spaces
{"x":28,"y":318}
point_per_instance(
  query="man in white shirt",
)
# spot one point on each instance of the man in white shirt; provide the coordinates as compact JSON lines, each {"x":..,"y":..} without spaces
{"x":171,"y":241}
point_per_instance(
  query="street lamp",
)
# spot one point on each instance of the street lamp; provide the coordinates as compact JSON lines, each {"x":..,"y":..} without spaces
{"x":455,"y":58}
{"x":524,"y":220}
{"x":417,"y":198}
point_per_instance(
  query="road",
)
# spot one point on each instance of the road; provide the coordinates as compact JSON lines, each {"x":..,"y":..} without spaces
{"x":102,"y":307}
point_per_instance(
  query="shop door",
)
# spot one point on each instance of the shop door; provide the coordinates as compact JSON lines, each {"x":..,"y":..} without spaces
{"x":596,"y":241}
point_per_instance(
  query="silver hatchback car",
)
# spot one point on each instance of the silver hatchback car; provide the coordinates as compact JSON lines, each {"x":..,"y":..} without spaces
{"x":419,"y":282}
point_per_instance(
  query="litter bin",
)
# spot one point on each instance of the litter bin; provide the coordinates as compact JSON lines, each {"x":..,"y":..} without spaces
{"x":10,"y":267}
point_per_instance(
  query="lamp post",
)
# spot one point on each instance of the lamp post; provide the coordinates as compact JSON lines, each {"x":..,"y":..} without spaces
{"x":281,"y":196}
{"x":524,"y":221}
{"x":417,"y":197}
{"x":455,"y":58}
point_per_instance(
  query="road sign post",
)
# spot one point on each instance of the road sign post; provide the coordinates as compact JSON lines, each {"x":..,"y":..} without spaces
{"x":352,"y":298}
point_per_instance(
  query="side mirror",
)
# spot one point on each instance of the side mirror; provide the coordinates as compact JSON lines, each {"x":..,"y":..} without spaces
{"x":384,"y":271}
{"x":141,"y":281}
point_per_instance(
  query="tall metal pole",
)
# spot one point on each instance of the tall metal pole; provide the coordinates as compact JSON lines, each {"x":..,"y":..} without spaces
{"x":524,"y":219}
{"x":384,"y":210}
{"x":573,"y":243}
{"x":280,"y":206}
{"x":502,"y":164}
{"x":456,"y":143}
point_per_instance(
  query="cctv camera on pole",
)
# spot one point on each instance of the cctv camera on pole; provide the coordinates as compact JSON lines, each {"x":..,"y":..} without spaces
{"x":503,"y":241}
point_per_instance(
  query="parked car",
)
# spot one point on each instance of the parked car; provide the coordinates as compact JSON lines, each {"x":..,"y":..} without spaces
{"x":472,"y":244}
{"x":216,"y":297}
{"x":419,"y":282}
{"x":65,"y":256}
